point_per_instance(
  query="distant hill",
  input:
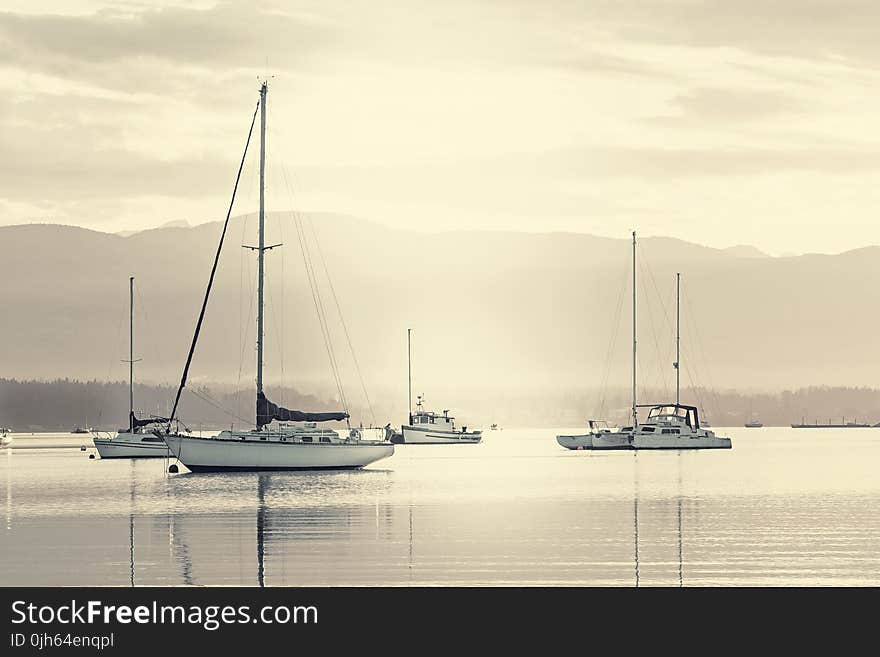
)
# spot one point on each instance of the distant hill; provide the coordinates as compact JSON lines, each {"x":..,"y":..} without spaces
{"x":497,"y":316}
{"x":745,"y":251}
{"x":168,"y":224}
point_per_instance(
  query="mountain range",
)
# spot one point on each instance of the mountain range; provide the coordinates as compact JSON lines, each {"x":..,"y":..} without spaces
{"x":496,"y":316}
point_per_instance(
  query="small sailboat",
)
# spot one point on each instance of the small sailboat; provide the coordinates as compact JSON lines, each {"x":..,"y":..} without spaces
{"x":136,"y":440}
{"x":429,"y":428}
{"x":296,"y":442}
{"x":5,"y":438}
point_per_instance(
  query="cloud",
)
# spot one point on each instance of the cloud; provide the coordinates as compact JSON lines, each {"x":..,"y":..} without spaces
{"x":810,"y":29}
{"x":68,"y":148}
{"x":106,"y":47}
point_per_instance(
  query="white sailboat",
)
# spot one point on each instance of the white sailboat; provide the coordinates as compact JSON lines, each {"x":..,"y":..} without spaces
{"x":5,"y":438}
{"x":136,"y":441}
{"x":674,"y":426}
{"x":668,"y":426}
{"x":429,"y":428}
{"x":296,"y":442}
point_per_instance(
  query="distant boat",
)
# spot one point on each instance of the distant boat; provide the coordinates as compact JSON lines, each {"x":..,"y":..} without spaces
{"x":80,"y":430}
{"x":754,"y":424}
{"x":299,"y":446}
{"x":5,"y":438}
{"x":830,"y":425}
{"x":427,"y":427}
{"x":135,"y":441}
{"x":493,"y":427}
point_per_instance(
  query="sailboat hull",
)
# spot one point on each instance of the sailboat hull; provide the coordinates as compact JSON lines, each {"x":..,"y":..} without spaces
{"x":130,"y":446}
{"x":243,"y":454}
{"x":583,"y":441}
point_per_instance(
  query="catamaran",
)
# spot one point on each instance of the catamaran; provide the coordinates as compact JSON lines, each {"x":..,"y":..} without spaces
{"x":136,"y":440}
{"x":296,"y":442}
{"x":668,"y":426}
{"x":429,"y":428}
{"x":674,"y":425}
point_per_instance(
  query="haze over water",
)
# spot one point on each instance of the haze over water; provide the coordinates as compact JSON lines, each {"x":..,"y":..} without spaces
{"x":783,"y":507}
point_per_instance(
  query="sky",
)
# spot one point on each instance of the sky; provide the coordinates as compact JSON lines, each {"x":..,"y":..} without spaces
{"x":716,"y":122}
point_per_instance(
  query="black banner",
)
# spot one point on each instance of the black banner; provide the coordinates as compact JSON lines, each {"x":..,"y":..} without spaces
{"x":125,"y":621}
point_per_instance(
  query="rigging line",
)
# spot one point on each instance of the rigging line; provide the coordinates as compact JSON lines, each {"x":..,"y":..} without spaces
{"x":278,"y":337}
{"x":269,"y":183}
{"x":668,"y":356}
{"x":649,"y":308}
{"x":319,"y":304}
{"x":698,"y":390}
{"x":319,"y":309}
{"x":613,"y":344}
{"x":315,"y":289}
{"x":327,"y":332}
{"x":342,"y":321}
{"x":117,"y":342}
{"x":712,"y":396}
{"x":213,"y":272}
{"x":244,"y":262}
{"x":216,"y":404}
{"x":142,"y":307}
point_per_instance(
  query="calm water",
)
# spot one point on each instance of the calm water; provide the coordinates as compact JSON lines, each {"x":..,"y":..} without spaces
{"x":783,"y":507}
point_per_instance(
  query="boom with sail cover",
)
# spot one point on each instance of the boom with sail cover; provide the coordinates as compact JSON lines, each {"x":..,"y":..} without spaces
{"x":267,"y":411}
{"x":135,"y":422}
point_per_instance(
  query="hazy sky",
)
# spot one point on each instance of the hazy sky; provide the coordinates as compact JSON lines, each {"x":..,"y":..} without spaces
{"x":715,"y":121}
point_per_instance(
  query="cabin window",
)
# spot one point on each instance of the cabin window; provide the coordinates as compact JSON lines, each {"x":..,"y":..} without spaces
{"x":647,"y":429}
{"x":307,"y":439}
{"x":325,"y":439}
{"x":671,"y":431}
{"x":261,"y":438}
{"x":152,"y":439}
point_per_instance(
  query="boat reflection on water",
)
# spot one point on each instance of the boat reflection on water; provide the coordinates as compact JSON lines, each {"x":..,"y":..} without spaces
{"x":656,"y":509}
{"x":277,"y":529}
{"x":286,"y":536}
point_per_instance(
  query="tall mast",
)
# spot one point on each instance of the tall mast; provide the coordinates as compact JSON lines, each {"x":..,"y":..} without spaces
{"x":409,"y":369}
{"x":677,"y":337}
{"x":131,"y":354}
{"x":634,"y":413}
{"x":261,"y":247}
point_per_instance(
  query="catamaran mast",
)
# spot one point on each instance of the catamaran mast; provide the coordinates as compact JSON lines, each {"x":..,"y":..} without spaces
{"x":635,"y":415}
{"x":409,"y":369}
{"x":261,"y":248}
{"x":677,"y":337}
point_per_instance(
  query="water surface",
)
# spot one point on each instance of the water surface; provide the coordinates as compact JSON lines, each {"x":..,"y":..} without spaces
{"x":783,"y":507}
